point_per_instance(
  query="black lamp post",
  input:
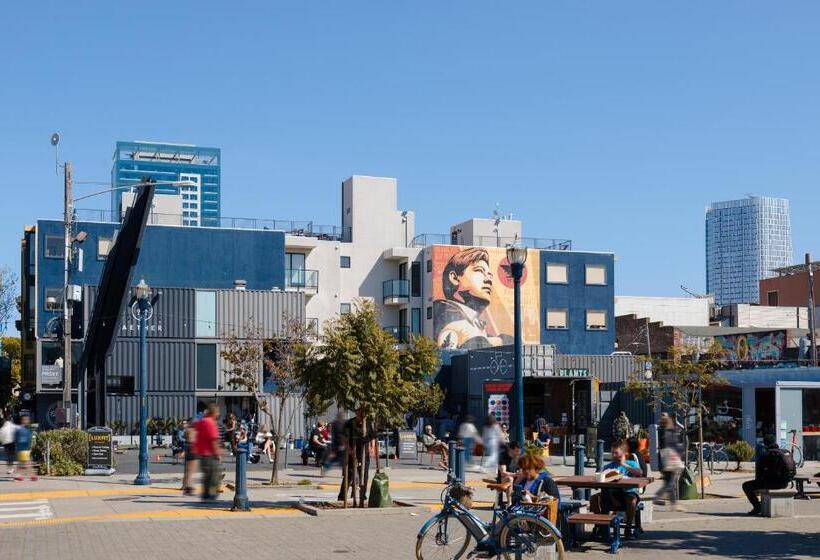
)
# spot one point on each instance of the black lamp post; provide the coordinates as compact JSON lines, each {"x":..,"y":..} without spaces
{"x":143,"y":311}
{"x":517,"y":256}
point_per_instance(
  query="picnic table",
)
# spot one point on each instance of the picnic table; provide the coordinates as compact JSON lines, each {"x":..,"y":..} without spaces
{"x":624,"y":483}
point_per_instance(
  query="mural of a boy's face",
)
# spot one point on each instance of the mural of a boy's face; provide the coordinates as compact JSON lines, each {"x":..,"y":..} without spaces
{"x":474,"y":287}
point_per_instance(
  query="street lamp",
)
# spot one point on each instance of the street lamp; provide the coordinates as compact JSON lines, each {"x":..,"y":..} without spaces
{"x":143,"y":311}
{"x":517,"y":256}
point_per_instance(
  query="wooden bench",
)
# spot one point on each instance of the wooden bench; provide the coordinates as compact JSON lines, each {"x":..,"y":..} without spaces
{"x":799,"y":485}
{"x":778,"y":503}
{"x":612,"y":522}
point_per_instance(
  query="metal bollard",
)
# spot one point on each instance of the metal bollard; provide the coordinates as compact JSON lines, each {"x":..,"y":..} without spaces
{"x":579,"y":493}
{"x":387,"y":450}
{"x":288,"y":441}
{"x":240,"y":497}
{"x":451,"y":461}
{"x":599,"y":455}
{"x":461,"y":464}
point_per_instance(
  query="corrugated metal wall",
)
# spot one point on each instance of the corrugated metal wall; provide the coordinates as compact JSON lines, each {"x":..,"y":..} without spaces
{"x":126,"y":408}
{"x":171,"y":364}
{"x":267,"y":309}
{"x":607,"y":369}
{"x":222,"y":365}
{"x":294,"y":409}
{"x":174,"y":314}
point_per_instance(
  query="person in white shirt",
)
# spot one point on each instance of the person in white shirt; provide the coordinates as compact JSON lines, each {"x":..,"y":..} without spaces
{"x":7,"y":431}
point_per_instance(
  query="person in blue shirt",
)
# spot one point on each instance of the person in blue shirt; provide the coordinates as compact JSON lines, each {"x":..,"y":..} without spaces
{"x":619,"y":499}
{"x":22,"y":444}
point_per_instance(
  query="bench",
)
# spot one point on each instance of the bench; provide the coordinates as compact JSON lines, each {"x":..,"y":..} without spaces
{"x":778,"y":503}
{"x":612,"y":522}
{"x":799,"y":485}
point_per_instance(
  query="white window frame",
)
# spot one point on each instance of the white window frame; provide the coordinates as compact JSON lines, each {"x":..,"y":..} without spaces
{"x":547,"y":267}
{"x":597,"y":327}
{"x":556,"y":328}
{"x":602,"y":267}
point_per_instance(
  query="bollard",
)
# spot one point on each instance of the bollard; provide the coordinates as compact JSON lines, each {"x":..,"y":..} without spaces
{"x":240,"y":497}
{"x":461,"y":464}
{"x":599,"y":455}
{"x":288,"y":440}
{"x":579,"y":493}
{"x":451,"y":461}
{"x":564,"y":443}
{"x":387,"y":450}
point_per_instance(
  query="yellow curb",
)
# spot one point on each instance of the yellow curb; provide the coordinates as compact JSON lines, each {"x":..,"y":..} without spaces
{"x":164,"y":514}
{"x":58,"y":494}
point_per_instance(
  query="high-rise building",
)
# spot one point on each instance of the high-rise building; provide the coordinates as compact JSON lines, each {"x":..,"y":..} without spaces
{"x":198,"y":202}
{"x":745,"y":240}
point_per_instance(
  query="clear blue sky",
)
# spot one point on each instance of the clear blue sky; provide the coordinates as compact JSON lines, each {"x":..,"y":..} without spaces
{"x":611,"y":123}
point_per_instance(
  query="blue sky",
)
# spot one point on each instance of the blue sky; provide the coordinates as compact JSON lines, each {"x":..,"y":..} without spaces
{"x":610,"y":123}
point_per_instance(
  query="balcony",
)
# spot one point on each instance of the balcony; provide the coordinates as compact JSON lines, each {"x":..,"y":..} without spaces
{"x":395,"y":292}
{"x":427,"y":239}
{"x":400,"y":333}
{"x":302,"y":280}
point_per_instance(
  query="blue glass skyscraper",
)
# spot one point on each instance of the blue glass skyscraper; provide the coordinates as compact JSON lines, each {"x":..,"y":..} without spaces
{"x":745,"y":240}
{"x":201,"y":204}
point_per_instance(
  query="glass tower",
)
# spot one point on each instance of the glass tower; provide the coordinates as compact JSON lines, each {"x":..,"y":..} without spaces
{"x":201,"y":205}
{"x":745,"y":240}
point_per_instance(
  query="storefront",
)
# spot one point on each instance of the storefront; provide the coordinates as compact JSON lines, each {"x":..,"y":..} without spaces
{"x":784,"y":403}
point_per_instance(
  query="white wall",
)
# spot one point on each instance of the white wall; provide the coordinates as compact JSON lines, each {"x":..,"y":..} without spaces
{"x":745,"y":315}
{"x":673,"y":311}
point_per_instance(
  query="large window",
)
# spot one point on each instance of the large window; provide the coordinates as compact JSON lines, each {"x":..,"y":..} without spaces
{"x":596,"y":275}
{"x":205,"y":315}
{"x":415,"y":279}
{"x":556,"y":318}
{"x":295,"y":270}
{"x":55,"y":247}
{"x":415,"y":320}
{"x":557,"y":273}
{"x":596,"y":320}
{"x":206,"y":366}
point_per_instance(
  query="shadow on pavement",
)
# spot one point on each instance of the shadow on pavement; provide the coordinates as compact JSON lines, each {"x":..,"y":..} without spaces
{"x":784,"y":545}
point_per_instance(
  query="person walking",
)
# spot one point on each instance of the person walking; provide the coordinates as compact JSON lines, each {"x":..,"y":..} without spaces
{"x":469,"y":436}
{"x":491,"y":436}
{"x":22,"y":445}
{"x":7,"y":431}
{"x":671,"y":462}
{"x":208,"y":450}
{"x":230,"y":432}
{"x":190,"y":458}
{"x":774,"y":470}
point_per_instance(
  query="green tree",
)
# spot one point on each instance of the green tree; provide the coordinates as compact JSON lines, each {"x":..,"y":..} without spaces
{"x":11,"y":349}
{"x":360,"y":367}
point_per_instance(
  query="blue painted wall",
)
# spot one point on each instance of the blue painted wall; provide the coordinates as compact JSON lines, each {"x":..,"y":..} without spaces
{"x":173,"y":257}
{"x":577,"y":297}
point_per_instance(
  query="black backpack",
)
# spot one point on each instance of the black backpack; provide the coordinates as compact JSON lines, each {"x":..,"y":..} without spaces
{"x":779,"y":467}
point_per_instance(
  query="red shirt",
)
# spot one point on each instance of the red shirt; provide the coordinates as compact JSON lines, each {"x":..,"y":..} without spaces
{"x":206,"y":433}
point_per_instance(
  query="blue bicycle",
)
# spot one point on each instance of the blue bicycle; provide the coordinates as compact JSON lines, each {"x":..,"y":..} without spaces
{"x":514,"y":533}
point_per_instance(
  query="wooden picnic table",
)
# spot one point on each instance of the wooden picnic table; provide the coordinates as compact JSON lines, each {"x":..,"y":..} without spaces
{"x":592,"y":482}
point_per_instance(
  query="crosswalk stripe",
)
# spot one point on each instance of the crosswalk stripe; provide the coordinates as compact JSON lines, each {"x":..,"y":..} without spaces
{"x":34,"y":509}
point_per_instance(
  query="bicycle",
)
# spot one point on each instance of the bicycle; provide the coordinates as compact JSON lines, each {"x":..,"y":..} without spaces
{"x":715,"y":457}
{"x":796,"y":450}
{"x":514,"y":533}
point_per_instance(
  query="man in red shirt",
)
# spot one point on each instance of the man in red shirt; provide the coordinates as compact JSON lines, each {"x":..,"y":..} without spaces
{"x":207,"y":448}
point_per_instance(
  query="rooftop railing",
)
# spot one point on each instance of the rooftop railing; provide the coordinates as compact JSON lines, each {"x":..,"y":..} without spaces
{"x":425,"y":239}
{"x":292,"y":227}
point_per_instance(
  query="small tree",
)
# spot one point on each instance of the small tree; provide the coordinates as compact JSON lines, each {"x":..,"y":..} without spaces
{"x":360,"y":367}
{"x":8,"y":296}
{"x":11,"y":349}
{"x":678,"y":383}
{"x":279,"y":359}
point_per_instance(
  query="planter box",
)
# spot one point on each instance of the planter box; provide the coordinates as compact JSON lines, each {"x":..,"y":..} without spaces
{"x":315,"y":508}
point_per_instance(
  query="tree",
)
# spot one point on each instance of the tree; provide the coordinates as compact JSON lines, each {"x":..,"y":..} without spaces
{"x":250,"y":355}
{"x":360,"y":367}
{"x":678,"y":382}
{"x":11,"y":349}
{"x":8,"y":296}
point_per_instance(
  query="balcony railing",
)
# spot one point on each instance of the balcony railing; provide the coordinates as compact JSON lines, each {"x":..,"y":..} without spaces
{"x":395,"y":291}
{"x":292,"y":227}
{"x":400,"y":333}
{"x":426,"y":239}
{"x":302,"y":279}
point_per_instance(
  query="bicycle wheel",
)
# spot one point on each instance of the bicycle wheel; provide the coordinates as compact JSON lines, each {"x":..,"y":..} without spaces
{"x":529,"y":537}
{"x":797,"y":455}
{"x":443,"y":538}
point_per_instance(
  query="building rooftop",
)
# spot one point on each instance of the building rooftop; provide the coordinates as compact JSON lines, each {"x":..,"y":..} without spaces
{"x":795,"y":269}
{"x":425,"y":239}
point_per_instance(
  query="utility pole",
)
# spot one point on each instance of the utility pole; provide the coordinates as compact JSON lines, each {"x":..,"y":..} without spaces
{"x":812,"y":312}
{"x":67,"y":305}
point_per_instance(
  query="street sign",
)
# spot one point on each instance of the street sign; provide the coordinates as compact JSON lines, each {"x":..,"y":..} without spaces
{"x":100,"y":451}
{"x":407,"y":445}
{"x":51,"y":374}
{"x":572,"y":372}
{"x":498,"y":399}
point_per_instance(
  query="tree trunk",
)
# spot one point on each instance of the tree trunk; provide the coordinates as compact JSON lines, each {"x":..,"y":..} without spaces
{"x":362,"y":467}
{"x":344,"y":477}
{"x":278,"y":430}
{"x":700,"y":440}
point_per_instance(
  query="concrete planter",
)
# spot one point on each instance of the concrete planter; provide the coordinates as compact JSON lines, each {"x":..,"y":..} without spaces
{"x":314,"y":507}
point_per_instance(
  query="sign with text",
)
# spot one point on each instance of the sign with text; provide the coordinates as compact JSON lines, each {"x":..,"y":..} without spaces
{"x":572,"y":372}
{"x":407,"y":445}
{"x":100,"y":449}
{"x":51,"y":375}
{"x":498,"y":400}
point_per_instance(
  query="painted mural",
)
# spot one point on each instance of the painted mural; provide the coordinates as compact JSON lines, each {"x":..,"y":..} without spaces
{"x":473,"y":297}
{"x":753,"y":347}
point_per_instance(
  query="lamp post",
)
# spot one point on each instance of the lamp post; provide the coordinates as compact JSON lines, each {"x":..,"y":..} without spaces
{"x":143,"y":310}
{"x":517,"y":256}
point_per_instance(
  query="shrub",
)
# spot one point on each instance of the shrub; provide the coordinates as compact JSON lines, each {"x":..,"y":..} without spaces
{"x":69,"y":451}
{"x":740,"y":451}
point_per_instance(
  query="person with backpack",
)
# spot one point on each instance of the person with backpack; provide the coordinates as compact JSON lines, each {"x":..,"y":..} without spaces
{"x":774,"y":470}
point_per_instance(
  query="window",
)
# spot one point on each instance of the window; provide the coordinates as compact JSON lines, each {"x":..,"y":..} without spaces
{"x":771,"y":298}
{"x":104,"y":245}
{"x":403,"y":271}
{"x":429,"y":265}
{"x":415,"y":319}
{"x":344,"y":309}
{"x":596,"y":320}
{"x":429,"y":312}
{"x":415,"y":279}
{"x":344,"y":261}
{"x":205,"y":315}
{"x":557,"y":273}
{"x":295,"y":270}
{"x":57,"y":295}
{"x":55,"y":247}
{"x":556,"y":318}
{"x":596,"y":275}
{"x":206,"y":366}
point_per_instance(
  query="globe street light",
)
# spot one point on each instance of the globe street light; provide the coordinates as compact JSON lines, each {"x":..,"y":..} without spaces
{"x":143,"y":311}
{"x":517,"y":256}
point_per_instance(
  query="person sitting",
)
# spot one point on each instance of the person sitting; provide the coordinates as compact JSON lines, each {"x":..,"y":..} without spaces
{"x":610,"y":499}
{"x":533,"y":480}
{"x":268,"y":445}
{"x":544,"y":438}
{"x":508,"y":466}
{"x":318,"y":443}
{"x":434,"y":445}
{"x":774,"y":469}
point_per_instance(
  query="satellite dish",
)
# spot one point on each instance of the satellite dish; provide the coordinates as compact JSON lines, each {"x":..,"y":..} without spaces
{"x":55,"y":139}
